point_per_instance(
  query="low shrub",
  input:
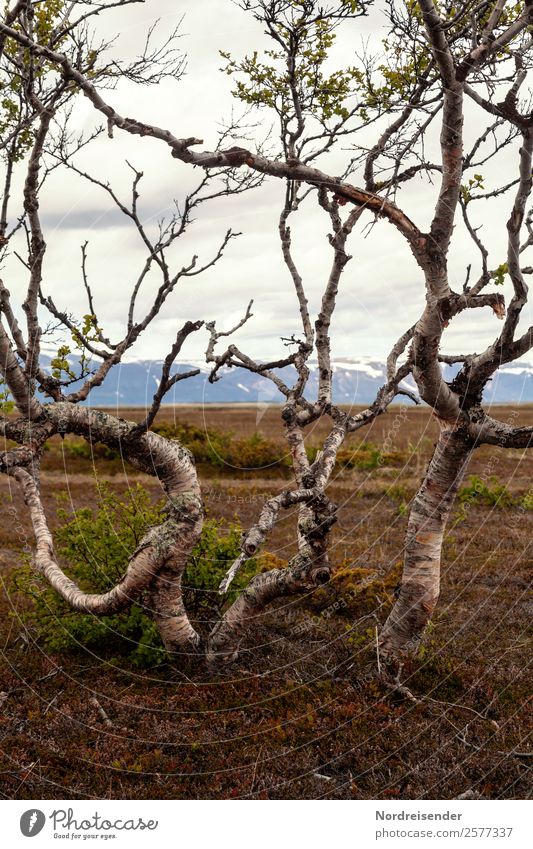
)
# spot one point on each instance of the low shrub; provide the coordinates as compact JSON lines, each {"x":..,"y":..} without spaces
{"x":206,"y":446}
{"x":220,"y":448}
{"x":526,"y":500}
{"x":89,"y":451}
{"x":365,"y":457}
{"x":210,"y":559}
{"x":95,"y":546}
{"x":490,"y":492}
{"x":256,"y":452}
{"x":368,"y":456}
{"x":354,"y":590}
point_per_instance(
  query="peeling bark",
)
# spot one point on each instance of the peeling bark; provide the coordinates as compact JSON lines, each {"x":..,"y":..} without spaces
{"x":420,"y":586}
{"x":18,"y":383}
{"x":304,"y":572}
{"x":157,"y":565}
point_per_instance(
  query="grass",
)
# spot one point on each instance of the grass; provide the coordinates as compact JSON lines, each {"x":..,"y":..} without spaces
{"x":303,"y":715}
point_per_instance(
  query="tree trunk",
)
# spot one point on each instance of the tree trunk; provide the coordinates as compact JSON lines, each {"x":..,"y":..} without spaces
{"x":157,"y":565}
{"x":308,"y":569}
{"x":303,"y":573}
{"x":420,"y":586}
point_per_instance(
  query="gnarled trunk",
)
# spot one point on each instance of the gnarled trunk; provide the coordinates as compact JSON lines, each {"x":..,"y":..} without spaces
{"x":157,"y":565}
{"x":308,"y":569}
{"x":302,"y":573}
{"x":420,"y":585}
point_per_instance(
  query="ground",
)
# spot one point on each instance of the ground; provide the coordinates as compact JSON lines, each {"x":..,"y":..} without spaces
{"x":303,"y":714}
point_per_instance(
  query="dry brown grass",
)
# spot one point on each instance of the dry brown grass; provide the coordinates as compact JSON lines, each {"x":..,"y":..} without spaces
{"x":303,"y":715}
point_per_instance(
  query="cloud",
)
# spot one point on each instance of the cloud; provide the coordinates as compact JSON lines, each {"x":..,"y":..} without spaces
{"x":382,"y":291}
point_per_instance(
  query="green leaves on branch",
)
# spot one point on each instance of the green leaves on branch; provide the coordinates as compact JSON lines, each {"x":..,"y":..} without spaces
{"x":401,"y":75}
{"x":88,"y":332}
{"x":22,"y":70}
{"x":498,"y":275}
{"x":60,"y":365}
{"x":43,"y":26}
{"x":47,"y":17}
{"x":95,"y":546}
{"x":12,"y":122}
{"x":21,"y":67}
{"x":295,"y":77}
{"x":6,"y":402}
{"x":464,"y":20}
{"x":296,"y":72}
{"x":475,"y":182}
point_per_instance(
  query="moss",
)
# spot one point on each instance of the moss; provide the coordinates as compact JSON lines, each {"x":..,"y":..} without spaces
{"x":436,"y":673}
{"x":355,"y":590}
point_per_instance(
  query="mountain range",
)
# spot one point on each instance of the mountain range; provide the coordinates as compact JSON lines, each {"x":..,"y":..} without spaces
{"x":133,"y":384}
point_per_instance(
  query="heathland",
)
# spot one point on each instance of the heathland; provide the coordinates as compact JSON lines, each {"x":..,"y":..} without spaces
{"x":302,"y":714}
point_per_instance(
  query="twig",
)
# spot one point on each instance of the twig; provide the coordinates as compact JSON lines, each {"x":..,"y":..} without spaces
{"x":105,"y":718}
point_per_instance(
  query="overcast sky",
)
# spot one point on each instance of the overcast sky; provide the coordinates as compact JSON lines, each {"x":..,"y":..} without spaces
{"x":382,"y":289}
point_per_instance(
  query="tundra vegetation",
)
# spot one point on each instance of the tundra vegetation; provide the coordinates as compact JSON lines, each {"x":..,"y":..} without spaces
{"x":456,"y":69}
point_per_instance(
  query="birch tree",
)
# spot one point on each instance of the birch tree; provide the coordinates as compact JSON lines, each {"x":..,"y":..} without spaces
{"x":441,"y":66}
{"x":37,"y":139}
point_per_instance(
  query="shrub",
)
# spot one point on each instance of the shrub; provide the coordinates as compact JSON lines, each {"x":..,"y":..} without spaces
{"x":219,"y":448}
{"x":526,"y":501}
{"x":362,"y":458}
{"x":206,"y":446}
{"x":210,"y":559}
{"x":368,"y":456}
{"x":355,"y":590}
{"x":249,"y":453}
{"x":96,"y":545}
{"x":256,"y":452}
{"x":90,"y":451}
{"x":493,"y":494}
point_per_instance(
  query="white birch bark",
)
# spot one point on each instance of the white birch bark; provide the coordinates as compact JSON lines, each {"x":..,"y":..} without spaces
{"x":158,"y":563}
{"x":420,"y":585}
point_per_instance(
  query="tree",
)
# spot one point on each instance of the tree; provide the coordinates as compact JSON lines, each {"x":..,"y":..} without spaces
{"x":450,"y":55}
{"x":36,"y":138}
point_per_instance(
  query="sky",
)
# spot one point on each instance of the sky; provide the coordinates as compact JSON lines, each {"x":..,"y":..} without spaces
{"x":382,"y":291}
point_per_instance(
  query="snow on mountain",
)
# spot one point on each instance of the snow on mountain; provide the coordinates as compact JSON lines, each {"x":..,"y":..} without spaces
{"x":372,"y":369}
{"x":133,"y":383}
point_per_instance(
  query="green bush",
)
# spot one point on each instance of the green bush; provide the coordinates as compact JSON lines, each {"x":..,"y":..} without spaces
{"x":89,"y":451}
{"x":257,"y":452}
{"x":365,"y":457}
{"x":220,"y":448}
{"x":210,"y":559}
{"x":96,"y":545}
{"x":206,"y":446}
{"x":368,"y":456}
{"x":492,"y":493}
